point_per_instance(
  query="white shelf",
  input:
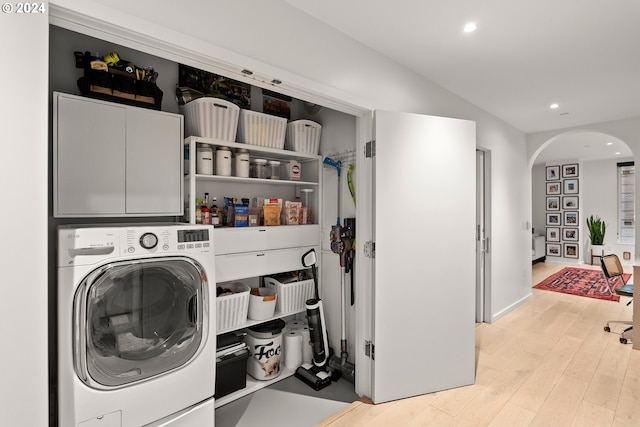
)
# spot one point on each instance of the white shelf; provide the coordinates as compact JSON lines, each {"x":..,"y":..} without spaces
{"x":218,"y":178}
{"x":250,"y":322}
{"x":264,"y":151}
{"x":254,"y":385}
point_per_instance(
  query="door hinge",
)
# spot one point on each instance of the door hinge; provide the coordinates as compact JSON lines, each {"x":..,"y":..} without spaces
{"x":370,"y":249}
{"x":370,"y":148}
{"x":370,"y":350}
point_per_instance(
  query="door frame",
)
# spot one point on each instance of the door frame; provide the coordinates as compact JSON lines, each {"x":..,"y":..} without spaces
{"x":483,"y":287}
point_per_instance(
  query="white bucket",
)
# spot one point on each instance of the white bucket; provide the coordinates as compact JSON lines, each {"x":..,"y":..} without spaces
{"x":265,"y":344}
{"x":262,"y":303}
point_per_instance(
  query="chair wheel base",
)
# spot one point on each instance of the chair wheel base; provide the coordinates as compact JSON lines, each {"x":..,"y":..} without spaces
{"x":623,"y":340}
{"x":607,"y":329}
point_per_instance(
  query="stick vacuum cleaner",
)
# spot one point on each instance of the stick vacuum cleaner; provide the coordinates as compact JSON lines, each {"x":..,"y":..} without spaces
{"x":315,"y":374}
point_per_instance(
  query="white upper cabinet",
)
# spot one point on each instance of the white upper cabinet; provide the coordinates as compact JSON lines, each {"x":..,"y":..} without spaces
{"x":112,"y":160}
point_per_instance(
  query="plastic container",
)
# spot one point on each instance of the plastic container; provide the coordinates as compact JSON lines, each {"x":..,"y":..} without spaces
{"x":242,"y":163}
{"x":211,"y":118}
{"x":262,"y":303}
{"x":231,"y":310}
{"x":204,"y":159}
{"x":274,"y":169}
{"x":293,"y":170}
{"x":223,"y":161}
{"x":259,"y":168}
{"x":303,"y":136}
{"x":265,"y":343}
{"x":291,"y":296}
{"x":261,"y":129}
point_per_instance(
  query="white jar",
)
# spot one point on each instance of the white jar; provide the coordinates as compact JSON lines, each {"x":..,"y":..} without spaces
{"x":223,"y":161}
{"x":242,"y":163}
{"x":204,"y":159}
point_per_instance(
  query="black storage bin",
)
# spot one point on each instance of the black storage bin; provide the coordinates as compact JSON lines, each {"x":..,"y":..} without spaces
{"x":231,"y":372}
{"x":116,"y":85}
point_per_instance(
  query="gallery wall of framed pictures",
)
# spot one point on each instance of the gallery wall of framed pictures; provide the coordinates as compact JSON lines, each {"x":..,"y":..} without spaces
{"x":562,"y":198}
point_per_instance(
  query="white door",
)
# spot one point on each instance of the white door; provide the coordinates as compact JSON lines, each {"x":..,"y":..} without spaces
{"x":424,"y":265}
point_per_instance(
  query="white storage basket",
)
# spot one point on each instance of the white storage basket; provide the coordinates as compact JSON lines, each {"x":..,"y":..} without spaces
{"x":290,"y":296}
{"x":303,"y":136}
{"x":232,"y":310}
{"x":261,"y":129}
{"x":211,"y":118}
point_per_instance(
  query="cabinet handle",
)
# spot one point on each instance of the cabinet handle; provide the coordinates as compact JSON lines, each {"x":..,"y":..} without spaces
{"x":262,"y":230}
{"x":260,"y":254}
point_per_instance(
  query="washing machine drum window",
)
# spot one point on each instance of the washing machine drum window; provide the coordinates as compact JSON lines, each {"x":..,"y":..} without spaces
{"x":142,"y":319}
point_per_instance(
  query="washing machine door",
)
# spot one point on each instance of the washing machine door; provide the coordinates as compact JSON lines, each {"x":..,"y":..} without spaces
{"x":139,"y":319}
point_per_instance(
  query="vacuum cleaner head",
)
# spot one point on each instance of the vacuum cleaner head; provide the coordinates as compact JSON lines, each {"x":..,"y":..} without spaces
{"x":315,"y":377}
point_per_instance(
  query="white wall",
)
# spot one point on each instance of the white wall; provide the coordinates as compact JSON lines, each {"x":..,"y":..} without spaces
{"x":538,"y":218}
{"x":23,"y":173}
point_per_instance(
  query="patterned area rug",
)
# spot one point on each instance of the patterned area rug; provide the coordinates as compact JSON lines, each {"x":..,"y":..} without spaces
{"x":583,"y":282}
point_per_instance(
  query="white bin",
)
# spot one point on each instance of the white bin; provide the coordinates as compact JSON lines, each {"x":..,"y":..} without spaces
{"x":303,"y":136}
{"x":261,"y":129}
{"x":211,"y":118}
{"x":231,"y":310}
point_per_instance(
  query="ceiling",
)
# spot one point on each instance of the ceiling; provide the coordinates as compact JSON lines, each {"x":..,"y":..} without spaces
{"x":524,"y":56}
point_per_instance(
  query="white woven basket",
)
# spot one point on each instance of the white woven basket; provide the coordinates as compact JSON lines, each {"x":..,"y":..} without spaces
{"x":211,"y":118}
{"x":291,"y":296}
{"x":303,"y":136}
{"x":261,"y":129}
{"x":232,"y":310}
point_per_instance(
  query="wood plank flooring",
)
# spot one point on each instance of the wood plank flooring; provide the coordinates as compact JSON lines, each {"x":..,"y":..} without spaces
{"x":547,"y":363}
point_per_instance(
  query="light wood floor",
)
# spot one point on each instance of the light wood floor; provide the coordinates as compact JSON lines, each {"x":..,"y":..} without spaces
{"x":547,"y":363}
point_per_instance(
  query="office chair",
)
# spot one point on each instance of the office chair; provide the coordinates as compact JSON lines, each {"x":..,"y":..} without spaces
{"x":612,"y":270}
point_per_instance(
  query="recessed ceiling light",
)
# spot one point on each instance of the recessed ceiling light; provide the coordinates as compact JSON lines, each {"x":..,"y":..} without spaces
{"x":617,"y":153}
{"x":609,"y":143}
{"x":470,"y":27}
{"x":553,"y":106}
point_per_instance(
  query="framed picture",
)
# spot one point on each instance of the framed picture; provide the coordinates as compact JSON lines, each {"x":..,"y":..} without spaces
{"x":553,"y":234}
{"x":553,"y":173}
{"x":571,"y":250}
{"x":570,"y":219}
{"x":553,"y":219}
{"x":570,"y":171}
{"x":553,"y":203}
{"x":554,"y":249}
{"x":570,"y":186}
{"x":553,"y":188}
{"x":570,"y":234}
{"x":570,"y":202}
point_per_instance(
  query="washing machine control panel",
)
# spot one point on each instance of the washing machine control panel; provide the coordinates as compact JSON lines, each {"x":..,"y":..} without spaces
{"x":149,"y":241}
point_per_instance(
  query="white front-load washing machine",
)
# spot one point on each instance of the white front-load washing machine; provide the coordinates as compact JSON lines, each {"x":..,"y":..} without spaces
{"x":136,"y":326}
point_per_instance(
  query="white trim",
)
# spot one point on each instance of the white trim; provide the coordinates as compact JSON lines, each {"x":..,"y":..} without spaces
{"x":511,"y":307}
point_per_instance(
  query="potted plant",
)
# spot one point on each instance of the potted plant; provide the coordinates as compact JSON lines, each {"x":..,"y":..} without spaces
{"x":597,"y":229}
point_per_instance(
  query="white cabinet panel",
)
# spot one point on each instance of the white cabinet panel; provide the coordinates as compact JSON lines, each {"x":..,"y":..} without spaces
{"x":259,"y":263}
{"x":154,"y":177}
{"x":89,"y":152}
{"x":115,"y":160}
{"x":235,"y":240}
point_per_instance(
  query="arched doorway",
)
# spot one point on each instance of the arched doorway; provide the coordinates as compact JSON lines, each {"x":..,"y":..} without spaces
{"x":561,"y":203}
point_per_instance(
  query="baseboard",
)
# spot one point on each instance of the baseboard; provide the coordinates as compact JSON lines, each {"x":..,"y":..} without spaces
{"x":511,"y":307}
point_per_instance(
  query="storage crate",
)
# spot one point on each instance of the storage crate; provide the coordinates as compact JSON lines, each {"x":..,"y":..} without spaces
{"x":291,"y":296}
{"x":211,"y":118}
{"x":261,"y":129}
{"x":232,"y":310}
{"x":303,"y":136}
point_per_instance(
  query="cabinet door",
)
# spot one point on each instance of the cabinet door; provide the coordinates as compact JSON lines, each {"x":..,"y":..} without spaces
{"x":424,"y":290}
{"x":89,"y":153}
{"x":154,"y":162}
